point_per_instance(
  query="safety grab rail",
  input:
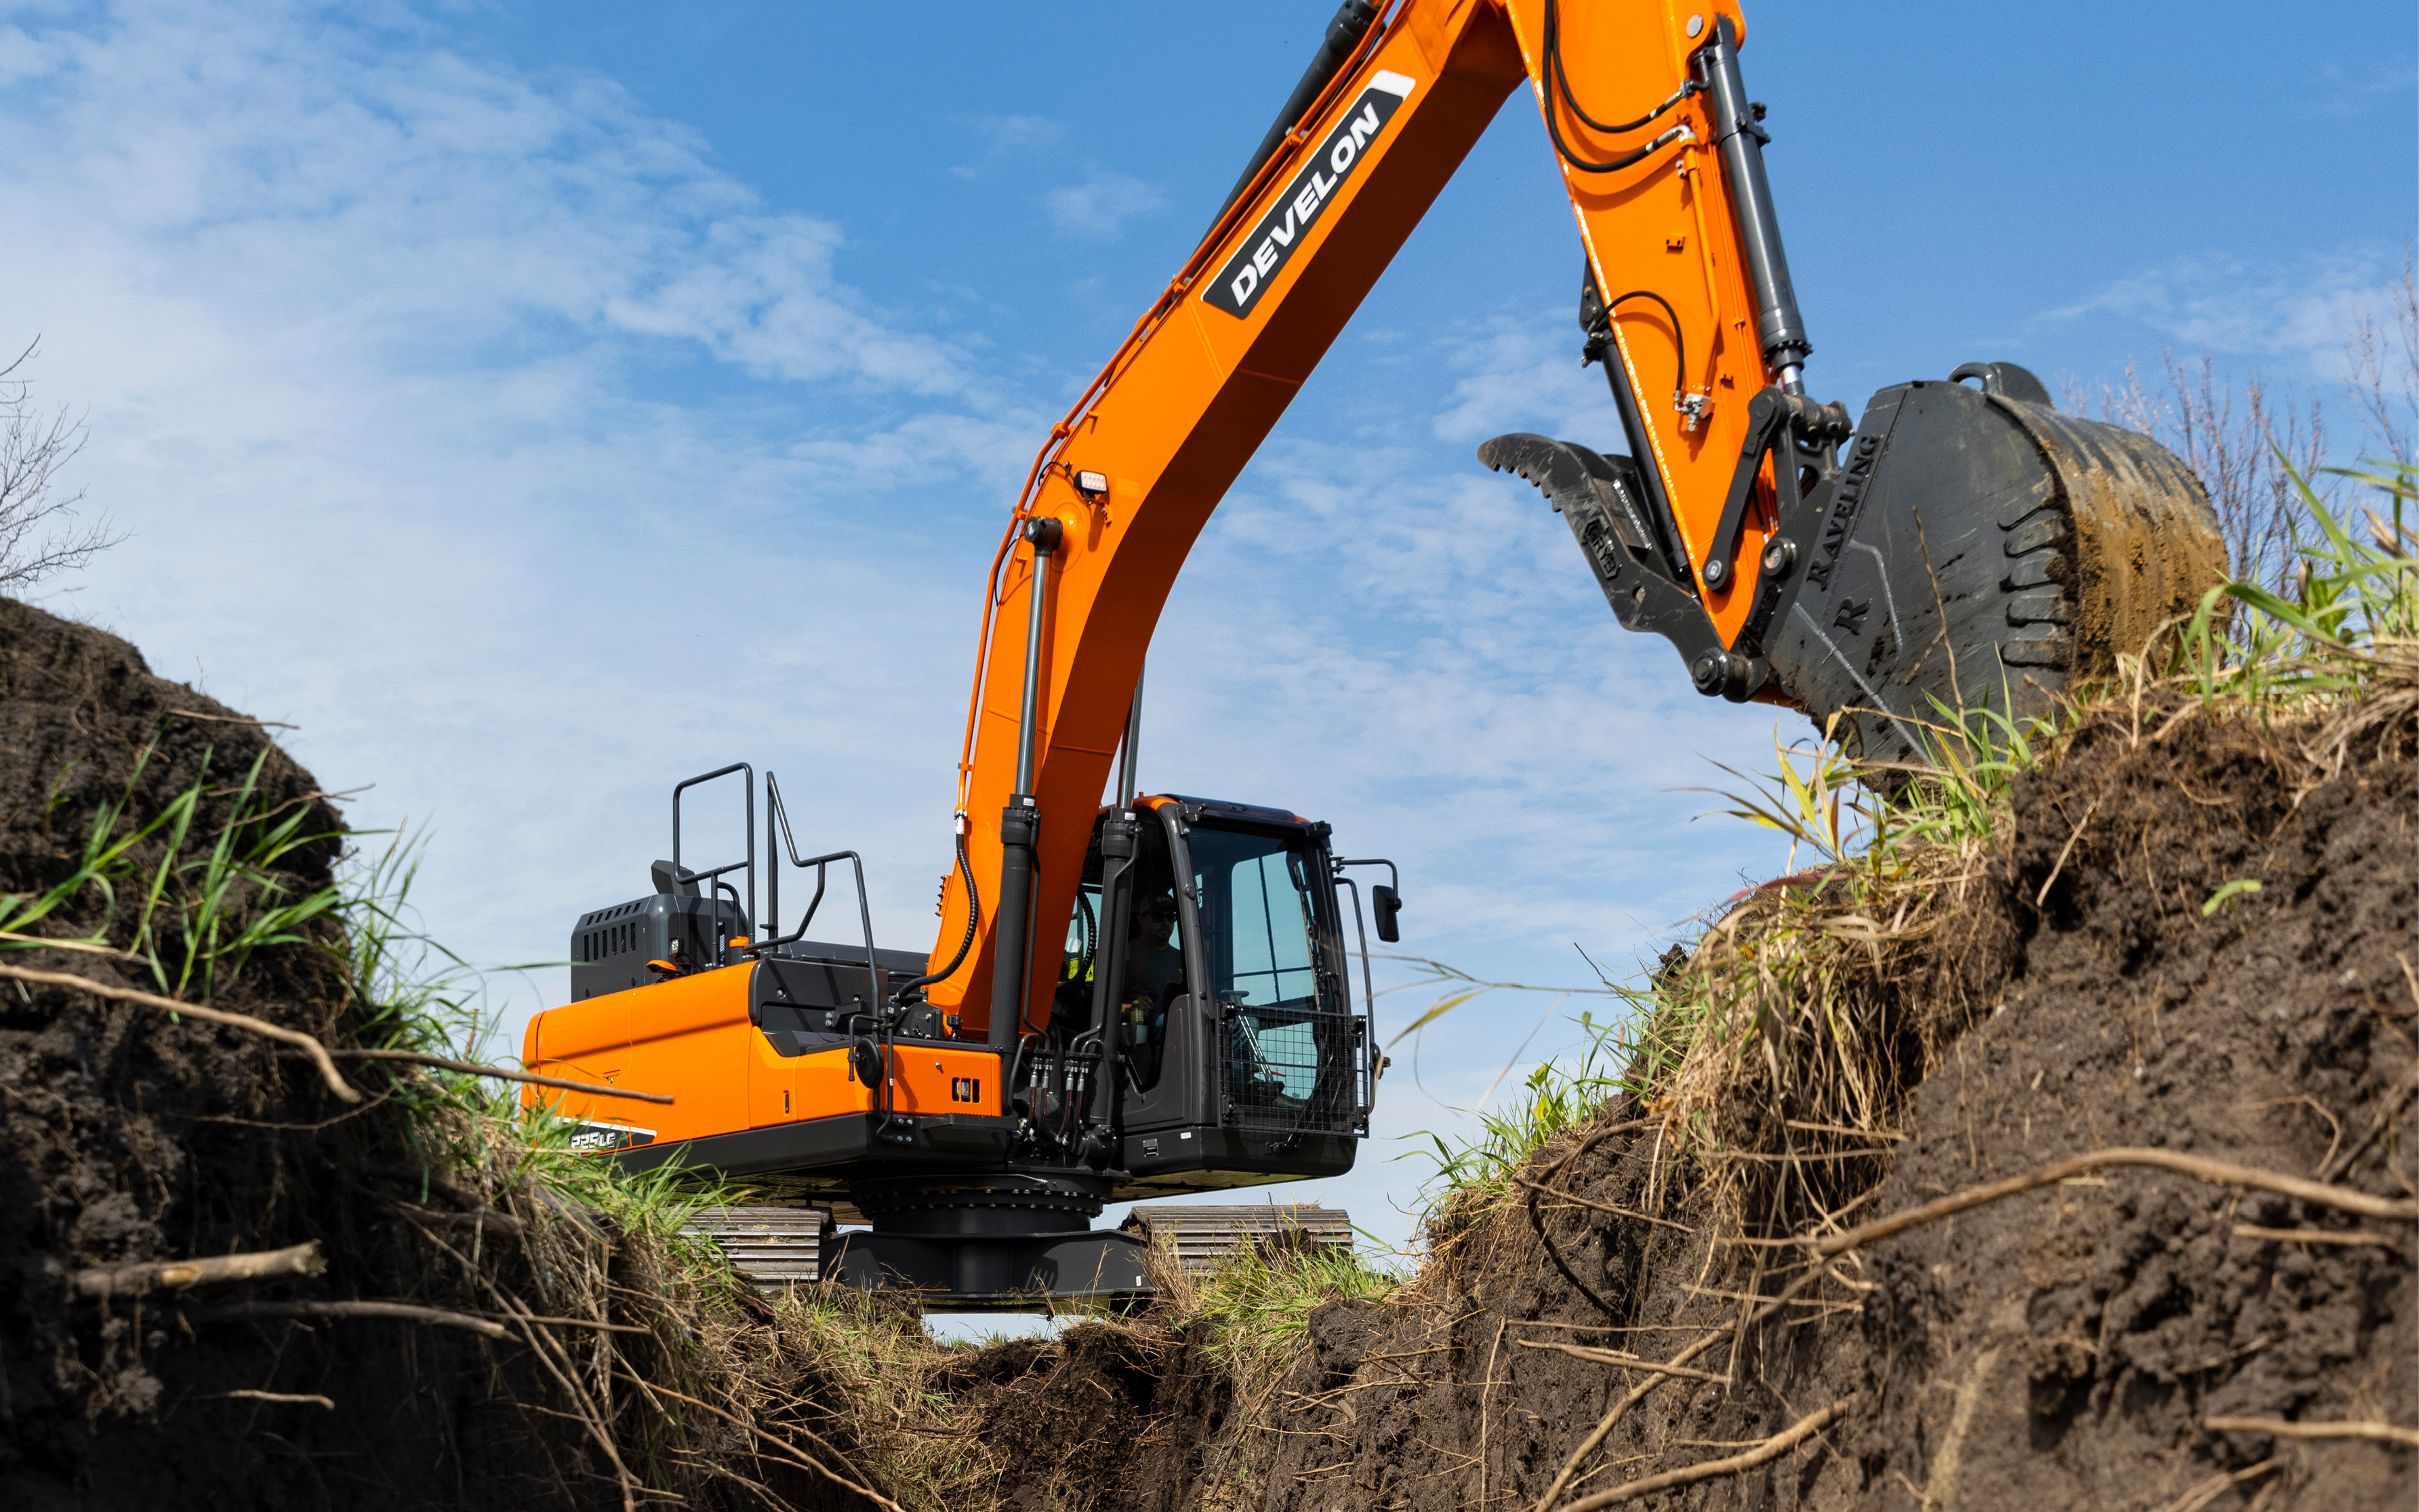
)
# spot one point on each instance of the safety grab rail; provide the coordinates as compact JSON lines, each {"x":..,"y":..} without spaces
{"x":776,"y":812}
{"x":748,"y":832}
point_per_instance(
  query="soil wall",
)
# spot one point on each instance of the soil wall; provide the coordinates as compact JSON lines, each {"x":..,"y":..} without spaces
{"x":127,"y":1137}
{"x":2063,"y":1348}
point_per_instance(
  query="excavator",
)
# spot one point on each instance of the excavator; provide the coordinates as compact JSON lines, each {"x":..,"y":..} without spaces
{"x":1959,"y":545}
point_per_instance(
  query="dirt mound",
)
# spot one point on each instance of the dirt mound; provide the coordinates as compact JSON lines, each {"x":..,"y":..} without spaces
{"x":1107,"y":1417}
{"x":130,"y":1138}
{"x":2087,"y":988}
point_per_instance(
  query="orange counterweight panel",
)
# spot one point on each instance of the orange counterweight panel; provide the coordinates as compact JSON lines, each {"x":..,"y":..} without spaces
{"x":689,"y":1038}
{"x":686,"y":1038}
{"x":925,"y":1079}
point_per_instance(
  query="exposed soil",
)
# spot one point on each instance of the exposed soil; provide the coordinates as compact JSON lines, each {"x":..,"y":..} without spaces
{"x":129,"y":1137}
{"x":2059,"y":1348}
{"x":1130,"y":1417}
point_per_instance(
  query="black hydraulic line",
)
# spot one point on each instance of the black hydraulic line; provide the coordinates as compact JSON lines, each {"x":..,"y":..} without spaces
{"x":1563,"y":82}
{"x":1352,"y":23}
{"x":1679,"y":338}
{"x":974,"y":922}
{"x":1560,"y":87}
{"x":1641,"y":448}
{"x":1779,"y":330}
{"x":1019,"y":822}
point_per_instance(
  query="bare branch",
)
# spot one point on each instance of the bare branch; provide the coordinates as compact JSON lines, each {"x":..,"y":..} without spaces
{"x":176,"y":1275}
{"x":318,"y":1052}
{"x":37,"y":538}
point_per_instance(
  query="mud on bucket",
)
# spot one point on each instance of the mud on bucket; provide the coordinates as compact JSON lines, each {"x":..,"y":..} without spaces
{"x":1997,"y":553}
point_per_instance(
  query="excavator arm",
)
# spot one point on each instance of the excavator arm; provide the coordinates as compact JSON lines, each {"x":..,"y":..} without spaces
{"x":1733,"y":526}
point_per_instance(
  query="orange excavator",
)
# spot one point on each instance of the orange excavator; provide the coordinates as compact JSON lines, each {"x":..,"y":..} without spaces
{"x":968,"y":1111}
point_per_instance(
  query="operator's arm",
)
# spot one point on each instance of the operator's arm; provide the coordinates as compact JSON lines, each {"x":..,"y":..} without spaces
{"x":1134,"y":471}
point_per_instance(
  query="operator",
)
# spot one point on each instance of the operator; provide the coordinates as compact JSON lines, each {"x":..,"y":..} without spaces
{"x":1156,"y":961}
{"x":1156,"y":965}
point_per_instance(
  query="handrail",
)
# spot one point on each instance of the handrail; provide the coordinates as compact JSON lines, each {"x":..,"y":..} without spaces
{"x":747,"y":831}
{"x":776,"y":812}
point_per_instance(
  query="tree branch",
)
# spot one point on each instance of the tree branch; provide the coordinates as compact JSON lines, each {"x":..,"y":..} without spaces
{"x":176,"y":1275}
{"x":318,"y":1052}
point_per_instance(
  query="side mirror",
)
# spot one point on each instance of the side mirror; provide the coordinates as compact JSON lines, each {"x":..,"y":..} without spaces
{"x":1388,"y":902}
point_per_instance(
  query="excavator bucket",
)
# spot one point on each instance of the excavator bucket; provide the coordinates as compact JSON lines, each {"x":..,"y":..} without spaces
{"x":1981,"y":550}
{"x":1971,"y":549}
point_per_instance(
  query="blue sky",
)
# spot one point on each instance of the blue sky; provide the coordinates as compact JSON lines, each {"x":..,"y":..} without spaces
{"x":537,"y":403}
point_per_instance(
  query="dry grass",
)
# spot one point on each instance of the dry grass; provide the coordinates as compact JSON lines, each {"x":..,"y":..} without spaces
{"x":1779,"y":1058}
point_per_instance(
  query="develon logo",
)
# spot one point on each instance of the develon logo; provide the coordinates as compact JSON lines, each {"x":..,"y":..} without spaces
{"x":1238,"y":285}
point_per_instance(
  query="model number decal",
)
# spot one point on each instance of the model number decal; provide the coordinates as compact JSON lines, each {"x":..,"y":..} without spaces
{"x":1240,"y":282}
{"x":599,"y":1138}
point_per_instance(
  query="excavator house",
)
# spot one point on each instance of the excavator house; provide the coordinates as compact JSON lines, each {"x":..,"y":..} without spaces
{"x":1956,"y":545}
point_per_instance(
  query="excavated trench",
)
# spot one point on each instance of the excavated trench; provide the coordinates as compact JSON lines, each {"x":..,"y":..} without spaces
{"x":2068,"y":1346}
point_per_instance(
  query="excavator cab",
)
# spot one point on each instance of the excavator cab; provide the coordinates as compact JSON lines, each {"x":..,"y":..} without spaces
{"x":1207,"y":953}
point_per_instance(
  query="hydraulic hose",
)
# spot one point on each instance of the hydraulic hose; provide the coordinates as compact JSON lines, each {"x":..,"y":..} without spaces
{"x":974,"y":922}
{"x":1679,"y":338}
{"x":1559,"y":89}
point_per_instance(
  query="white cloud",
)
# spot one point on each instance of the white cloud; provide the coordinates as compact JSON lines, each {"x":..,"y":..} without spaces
{"x":1019,"y":133}
{"x":1102,"y":204}
{"x":362,"y":327}
{"x":2303,"y":310}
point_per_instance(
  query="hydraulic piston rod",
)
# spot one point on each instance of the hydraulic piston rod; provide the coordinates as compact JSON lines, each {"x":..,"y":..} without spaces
{"x":1780,"y":331}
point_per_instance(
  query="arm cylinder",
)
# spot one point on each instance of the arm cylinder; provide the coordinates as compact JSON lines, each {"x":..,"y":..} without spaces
{"x":1780,"y":331}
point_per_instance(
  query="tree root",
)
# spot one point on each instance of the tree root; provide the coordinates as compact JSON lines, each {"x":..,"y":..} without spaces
{"x":2217,"y":1172}
{"x":175,"y":1275}
{"x":784,"y":1445}
{"x":2280,"y":1427}
{"x":1771,"y":1448}
{"x":309,"y":1046}
{"x":472,"y":1068}
{"x":1614,"y":1357}
{"x":402,"y":1311}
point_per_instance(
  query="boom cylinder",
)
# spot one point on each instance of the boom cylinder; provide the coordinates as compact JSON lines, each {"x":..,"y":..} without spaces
{"x":1780,"y":331}
{"x":1020,"y":823}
